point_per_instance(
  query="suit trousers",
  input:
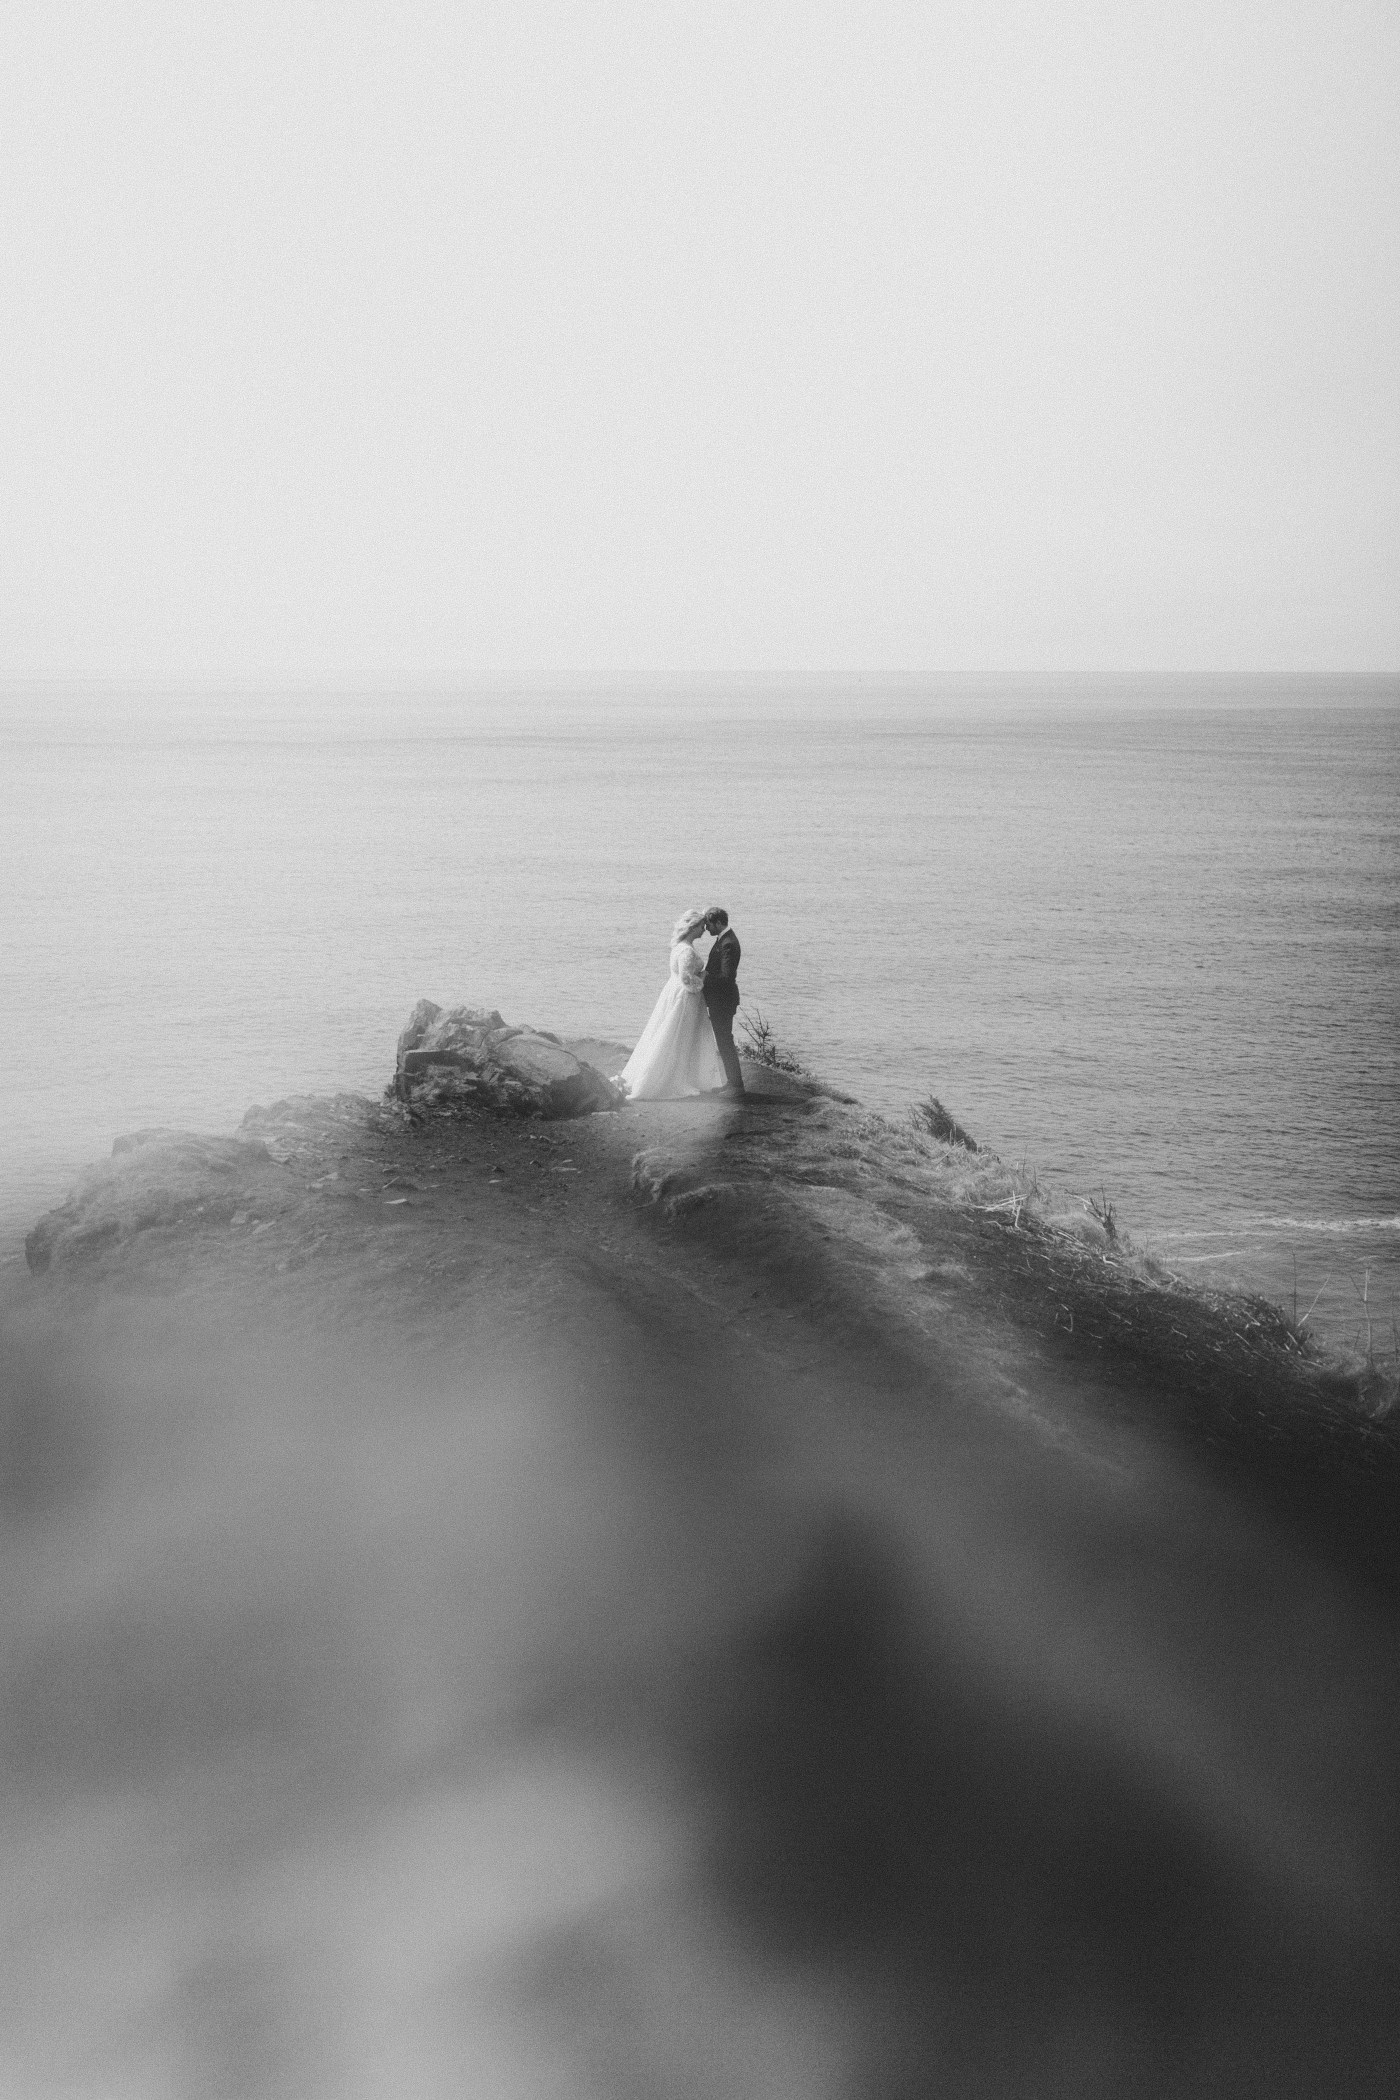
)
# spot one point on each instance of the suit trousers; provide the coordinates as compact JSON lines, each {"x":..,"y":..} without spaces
{"x":722,"y":1022}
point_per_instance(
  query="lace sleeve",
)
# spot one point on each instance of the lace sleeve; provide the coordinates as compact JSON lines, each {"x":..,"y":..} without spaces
{"x":691,"y":970}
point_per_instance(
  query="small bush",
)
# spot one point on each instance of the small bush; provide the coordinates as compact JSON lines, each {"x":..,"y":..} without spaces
{"x":933,"y":1118}
{"x":761,"y":1046}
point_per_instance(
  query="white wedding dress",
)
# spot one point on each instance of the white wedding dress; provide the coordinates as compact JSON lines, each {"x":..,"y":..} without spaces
{"x":676,"y":1054}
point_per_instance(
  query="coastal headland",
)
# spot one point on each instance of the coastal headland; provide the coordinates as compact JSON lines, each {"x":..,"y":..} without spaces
{"x":685,"y":1597}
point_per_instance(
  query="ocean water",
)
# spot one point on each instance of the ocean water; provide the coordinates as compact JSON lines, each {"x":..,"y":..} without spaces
{"x":1152,"y":949}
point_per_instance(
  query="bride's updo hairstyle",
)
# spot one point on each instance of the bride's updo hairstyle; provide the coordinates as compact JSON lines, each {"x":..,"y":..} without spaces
{"x":688,"y":924}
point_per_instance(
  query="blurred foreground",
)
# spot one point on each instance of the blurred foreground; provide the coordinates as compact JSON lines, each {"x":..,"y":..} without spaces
{"x":492,"y":1635}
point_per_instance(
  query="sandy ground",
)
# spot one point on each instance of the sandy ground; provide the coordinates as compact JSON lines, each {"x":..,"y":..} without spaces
{"x":632,"y":1607}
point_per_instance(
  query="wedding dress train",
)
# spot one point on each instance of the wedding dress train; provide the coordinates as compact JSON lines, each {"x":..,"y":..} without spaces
{"x":676,"y":1053}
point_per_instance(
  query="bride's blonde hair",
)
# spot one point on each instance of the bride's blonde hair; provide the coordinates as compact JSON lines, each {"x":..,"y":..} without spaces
{"x":688,"y":923}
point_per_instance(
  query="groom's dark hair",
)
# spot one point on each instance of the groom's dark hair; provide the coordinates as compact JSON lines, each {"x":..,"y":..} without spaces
{"x":717,"y":911}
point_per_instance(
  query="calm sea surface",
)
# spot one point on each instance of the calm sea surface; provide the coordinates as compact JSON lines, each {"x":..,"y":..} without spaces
{"x":1152,"y":950}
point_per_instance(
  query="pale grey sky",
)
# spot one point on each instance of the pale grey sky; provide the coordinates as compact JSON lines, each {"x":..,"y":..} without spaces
{"x":704,"y":342}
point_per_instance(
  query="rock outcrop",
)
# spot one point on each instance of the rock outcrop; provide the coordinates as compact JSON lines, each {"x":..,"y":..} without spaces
{"x":468,"y":1058}
{"x":154,"y":1178}
{"x":159,"y":1179}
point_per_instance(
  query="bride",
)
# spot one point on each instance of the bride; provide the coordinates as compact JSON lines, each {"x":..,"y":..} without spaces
{"x":676,"y":1053}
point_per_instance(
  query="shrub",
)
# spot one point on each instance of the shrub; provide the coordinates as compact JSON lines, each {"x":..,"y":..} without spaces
{"x":933,"y":1118}
{"x":761,"y":1046}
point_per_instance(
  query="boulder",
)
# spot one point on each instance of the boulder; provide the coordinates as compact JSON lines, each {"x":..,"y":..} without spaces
{"x":468,"y":1057}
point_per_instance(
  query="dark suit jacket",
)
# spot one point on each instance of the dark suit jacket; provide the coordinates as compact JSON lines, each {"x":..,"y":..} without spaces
{"x":722,"y":972}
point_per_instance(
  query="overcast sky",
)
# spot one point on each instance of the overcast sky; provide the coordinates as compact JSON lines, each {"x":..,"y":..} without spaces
{"x":699,"y":342}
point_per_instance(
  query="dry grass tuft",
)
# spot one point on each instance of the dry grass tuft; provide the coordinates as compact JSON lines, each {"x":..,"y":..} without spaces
{"x":762,"y":1046}
{"x":932,"y":1116}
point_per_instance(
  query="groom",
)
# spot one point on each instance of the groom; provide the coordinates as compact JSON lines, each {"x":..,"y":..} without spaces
{"x":721,"y":989}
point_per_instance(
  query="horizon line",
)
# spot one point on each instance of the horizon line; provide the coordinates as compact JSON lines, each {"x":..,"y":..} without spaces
{"x":670,"y":686}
